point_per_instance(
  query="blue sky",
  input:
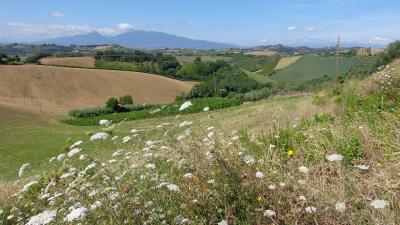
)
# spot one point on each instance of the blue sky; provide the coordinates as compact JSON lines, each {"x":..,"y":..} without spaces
{"x":251,"y":22}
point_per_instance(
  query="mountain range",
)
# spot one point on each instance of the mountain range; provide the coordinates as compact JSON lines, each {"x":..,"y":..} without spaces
{"x":138,"y":39}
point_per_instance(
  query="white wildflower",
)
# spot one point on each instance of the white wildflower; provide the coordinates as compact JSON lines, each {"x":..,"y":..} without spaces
{"x":173,"y":187}
{"x":334,"y":157}
{"x":126,"y":139}
{"x":188,"y":176}
{"x":114,"y":138}
{"x":185,"y":105}
{"x":362,"y":167}
{"x":269,"y":213}
{"x":235,"y":138}
{"x":310,"y":209}
{"x":118,"y":152}
{"x":301,"y":182}
{"x":24,"y":167}
{"x":150,"y":166}
{"x":379,"y":204}
{"x":271,"y":146}
{"x":272,"y":187}
{"x":43,"y":218}
{"x":206,"y":109}
{"x":90,"y":166}
{"x":301,"y":198}
{"x":104,"y":122}
{"x":185,"y":123}
{"x":73,"y":152}
{"x":29,"y":185}
{"x":303,"y":169}
{"x":340,"y":206}
{"x":155,"y":111}
{"x":223,"y":222}
{"x":211,"y":181}
{"x":76,"y":144}
{"x":210,"y":134}
{"x":99,"y":136}
{"x":82,"y":157}
{"x":52,"y":159}
{"x":248,"y":159}
{"x":260,"y":175}
{"x":76,"y":214}
{"x":181,"y":220}
{"x":181,"y":137}
{"x":61,"y":157}
{"x":95,"y":205}
{"x":134,"y":131}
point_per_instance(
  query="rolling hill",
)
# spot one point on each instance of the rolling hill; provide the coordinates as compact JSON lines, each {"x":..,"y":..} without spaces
{"x":56,"y":90}
{"x":83,"y":62}
{"x":138,"y":39}
{"x":313,"y":66}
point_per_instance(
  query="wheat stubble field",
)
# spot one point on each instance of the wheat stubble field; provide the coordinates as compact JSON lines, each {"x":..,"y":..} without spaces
{"x":56,"y":90}
{"x":84,"y":62}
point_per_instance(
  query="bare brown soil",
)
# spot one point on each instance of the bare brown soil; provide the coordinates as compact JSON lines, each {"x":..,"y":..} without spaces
{"x":56,"y":90}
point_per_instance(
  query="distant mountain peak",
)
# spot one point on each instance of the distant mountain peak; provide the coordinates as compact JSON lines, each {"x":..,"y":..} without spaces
{"x":139,"y":39}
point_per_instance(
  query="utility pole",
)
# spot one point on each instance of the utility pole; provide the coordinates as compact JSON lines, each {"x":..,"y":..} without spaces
{"x":337,"y":60}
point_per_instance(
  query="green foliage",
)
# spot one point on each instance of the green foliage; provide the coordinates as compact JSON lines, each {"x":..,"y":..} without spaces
{"x":92,"y":112}
{"x":126,"y":66}
{"x":36,"y":58}
{"x":350,"y":148}
{"x":256,"y":95}
{"x":5,"y":59}
{"x":126,"y":100}
{"x":112,"y":103}
{"x":318,"y":100}
{"x":167,"y":110}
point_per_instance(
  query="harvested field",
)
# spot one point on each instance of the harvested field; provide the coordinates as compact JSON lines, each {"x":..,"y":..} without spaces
{"x":84,"y":62}
{"x":287,"y":61}
{"x":56,"y":90}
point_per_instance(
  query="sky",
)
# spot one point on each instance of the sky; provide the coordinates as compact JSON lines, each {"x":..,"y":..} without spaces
{"x":241,"y":22}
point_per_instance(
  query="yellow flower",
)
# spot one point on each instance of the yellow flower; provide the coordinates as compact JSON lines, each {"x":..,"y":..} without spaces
{"x":290,"y":152}
{"x":259,"y":198}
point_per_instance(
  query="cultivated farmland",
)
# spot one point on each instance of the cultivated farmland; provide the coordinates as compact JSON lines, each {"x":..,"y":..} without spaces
{"x":84,"y":62}
{"x":56,"y":90}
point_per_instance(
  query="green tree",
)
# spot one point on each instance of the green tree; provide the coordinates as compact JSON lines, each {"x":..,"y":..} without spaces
{"x":112,"y":103}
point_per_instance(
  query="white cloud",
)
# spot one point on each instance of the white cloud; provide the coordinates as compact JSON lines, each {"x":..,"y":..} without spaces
{"x":291,"y":28}
{"x":57,"y":15}
{"x":310,"y":29}
{"x":50,"y":30}
{"x":380,"y":40}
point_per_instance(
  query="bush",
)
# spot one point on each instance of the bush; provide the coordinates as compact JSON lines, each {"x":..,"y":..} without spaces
{"x":168,"y":110}
{"x":93,"y":112}
{"x":257,"y":94}
{"x":126,"y":100}
{"x":112,"y":103}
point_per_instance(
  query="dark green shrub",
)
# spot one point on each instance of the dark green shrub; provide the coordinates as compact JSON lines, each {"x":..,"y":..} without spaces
{"x":112,"y":103}
{"x":126,"y":100}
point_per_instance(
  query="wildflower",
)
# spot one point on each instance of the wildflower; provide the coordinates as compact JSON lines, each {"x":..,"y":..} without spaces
{"x":271,"y":146}
{"x":282,"y":184}
{"x":290,"y":152}
{"x":95,"y":205}
{"x":150,"y":166}
{"x":185,"y":123}
{"x":303,"y":169}
{"x":188,"y":176}
{"x":52,"y":159}
{"x":114,"y":138}
{"x":181,"y":220}
{"x":43,"y":218}
{"x":379,"y":204}
{"x":155,"y":111}
{"x":362,"y":167}
{"x":272,"y":187}
{"x":210,"y":134}
{"x":301,"y":182}
{"x":310,"y":209}
{"x":235,"y":138}
{"x":340,"y":206}
{"x":90,"y":166}
{"x":260,"y":175}
{"x":173,"y":187}
{"x":104,"y":122}
{"x":269,"y":213}
{"x":76,"y":214}
{"x":126,"y":139}
{"x":248,"y":159}
{"x":259,"y":198}
{"x":185,"y":105}
{"x":73,"y":152}
{"x":301,"y":198}
{"x":223,"y":222}
{"x":211,"y":181}
{"x":99,"y":136}
{"x":29,"y":185}
{"x":334,"y":157}
{"x":76,"y":144}
{"x":82,"y":157}
{"x":23,"y":168}
{"x":206,"y":109}
{"x":61,"y":157}
{"x":134,"y":131}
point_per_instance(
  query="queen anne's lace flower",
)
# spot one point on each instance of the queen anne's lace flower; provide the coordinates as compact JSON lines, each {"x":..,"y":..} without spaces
{"x":99,"y":136}
{"x":334,"y":157}
{"x":269,"y":213}
{"x":76,"y":214}
{"x":185,"y":105}
{"x":43,"y":218}
{"x":23,"y":168}
{"x":260,"y":175}
{"x":379,"y":204}
{"x":340,"y":206}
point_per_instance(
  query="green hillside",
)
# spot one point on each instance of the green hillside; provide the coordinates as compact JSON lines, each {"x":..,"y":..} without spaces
{"x":313,"y":66}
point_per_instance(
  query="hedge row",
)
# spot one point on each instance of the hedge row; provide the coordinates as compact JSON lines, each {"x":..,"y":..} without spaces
{"x":167,"y":110}
{"x":93,"y":112}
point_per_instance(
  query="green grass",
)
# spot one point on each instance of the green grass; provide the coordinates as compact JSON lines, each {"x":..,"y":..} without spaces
{"x":263,"y":79}
{"x":312,"y":66}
